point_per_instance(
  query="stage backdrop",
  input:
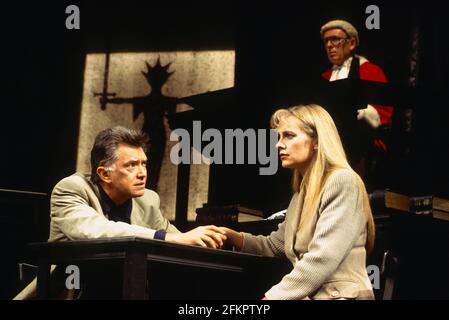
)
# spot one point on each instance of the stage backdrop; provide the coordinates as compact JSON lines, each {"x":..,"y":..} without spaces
{"x":137,"y":90}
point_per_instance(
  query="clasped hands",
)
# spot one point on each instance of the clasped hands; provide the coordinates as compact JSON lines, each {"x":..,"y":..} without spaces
{"x":204,"y":236}
{"x":208,"y":236}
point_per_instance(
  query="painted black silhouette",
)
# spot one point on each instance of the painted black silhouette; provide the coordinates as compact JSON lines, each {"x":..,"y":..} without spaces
{"x":154,"y":106}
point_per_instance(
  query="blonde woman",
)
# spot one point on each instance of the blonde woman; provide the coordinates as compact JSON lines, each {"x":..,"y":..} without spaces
{"x":328,"y":228}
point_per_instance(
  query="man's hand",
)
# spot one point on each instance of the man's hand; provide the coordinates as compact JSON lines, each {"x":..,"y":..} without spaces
{"x":370,"y":115}
{"x":204,"y":236}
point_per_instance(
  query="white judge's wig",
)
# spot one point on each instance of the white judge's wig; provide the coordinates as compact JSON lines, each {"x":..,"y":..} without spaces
{"x":348,"y":28}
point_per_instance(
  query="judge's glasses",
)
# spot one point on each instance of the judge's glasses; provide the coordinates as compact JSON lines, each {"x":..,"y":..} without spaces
{"x":334,"y":40}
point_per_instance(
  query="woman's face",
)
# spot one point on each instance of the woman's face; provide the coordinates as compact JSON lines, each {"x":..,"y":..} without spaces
{"x":295,"y":147}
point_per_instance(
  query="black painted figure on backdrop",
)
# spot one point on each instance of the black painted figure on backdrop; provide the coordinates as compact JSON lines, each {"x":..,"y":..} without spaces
{"x":154,"y":106}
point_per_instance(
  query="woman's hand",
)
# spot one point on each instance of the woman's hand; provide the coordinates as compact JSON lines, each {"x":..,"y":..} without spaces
{"x":235,"y":238}
{"x":204,"y":236}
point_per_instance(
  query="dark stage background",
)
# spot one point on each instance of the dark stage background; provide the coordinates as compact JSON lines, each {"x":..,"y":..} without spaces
{"x":277,"y":49}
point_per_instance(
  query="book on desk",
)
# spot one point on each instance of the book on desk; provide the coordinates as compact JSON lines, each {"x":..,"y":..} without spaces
{"x":427,"y":205}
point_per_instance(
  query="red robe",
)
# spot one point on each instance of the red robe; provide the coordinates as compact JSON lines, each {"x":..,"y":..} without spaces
{"x":371,"y":72}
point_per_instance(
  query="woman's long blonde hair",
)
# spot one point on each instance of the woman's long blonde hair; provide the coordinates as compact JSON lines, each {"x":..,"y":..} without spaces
{"x":329,"y":156}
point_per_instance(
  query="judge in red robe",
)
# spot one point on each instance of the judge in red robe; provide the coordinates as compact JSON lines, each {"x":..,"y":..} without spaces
{"x":340,"y":39}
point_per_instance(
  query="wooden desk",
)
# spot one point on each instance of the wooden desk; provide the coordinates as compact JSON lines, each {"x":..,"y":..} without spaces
{"x":209,"y":273}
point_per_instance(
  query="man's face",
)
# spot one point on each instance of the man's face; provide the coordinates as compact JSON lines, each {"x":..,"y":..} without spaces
{"x":338,"y":46}
{"x":128,"y":178}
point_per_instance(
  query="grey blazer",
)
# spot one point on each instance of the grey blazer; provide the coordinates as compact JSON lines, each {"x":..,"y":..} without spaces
{"x":328,"y":254}
{"x":76,"y":213}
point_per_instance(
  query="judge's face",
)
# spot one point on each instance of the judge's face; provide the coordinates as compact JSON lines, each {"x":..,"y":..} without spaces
{"x":338,"y":46}
{"x":128,"y":175}
{"x":296,"y":148}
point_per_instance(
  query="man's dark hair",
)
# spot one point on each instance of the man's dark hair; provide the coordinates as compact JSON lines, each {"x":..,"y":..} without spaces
{"x":104,"y":151}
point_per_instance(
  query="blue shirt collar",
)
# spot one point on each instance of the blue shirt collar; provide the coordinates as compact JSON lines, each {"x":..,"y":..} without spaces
{"x":114,"y":212}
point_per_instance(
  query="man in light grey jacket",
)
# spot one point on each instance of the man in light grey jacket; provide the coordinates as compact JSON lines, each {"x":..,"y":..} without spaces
{"x":113,"y":200}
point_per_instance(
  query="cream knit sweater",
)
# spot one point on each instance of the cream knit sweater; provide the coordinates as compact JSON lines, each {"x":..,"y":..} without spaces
{"x":328,"y":254}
